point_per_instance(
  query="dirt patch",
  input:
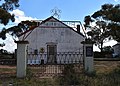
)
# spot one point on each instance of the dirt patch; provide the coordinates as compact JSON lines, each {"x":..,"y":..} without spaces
{"x":106,"y":66}
{"x":100,"y":67}
{"x":7,"y":71}
{"x":7,"y":66}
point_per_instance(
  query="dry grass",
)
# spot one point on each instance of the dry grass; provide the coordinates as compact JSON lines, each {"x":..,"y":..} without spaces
{"x":106,"y":66}
{"x":107,"y":74}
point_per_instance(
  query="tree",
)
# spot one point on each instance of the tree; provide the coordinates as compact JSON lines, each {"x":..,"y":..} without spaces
{"x":23,"y":26}
{"x":5,"y":16}
{"x":108,"y":49}
{"x":111,"y":14}
{"x":5,"y":7}
{"x":98,"y":32}
{"x":106,"y":24}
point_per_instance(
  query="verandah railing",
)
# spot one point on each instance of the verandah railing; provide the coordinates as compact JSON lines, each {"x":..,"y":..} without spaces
{"x":61,"y":58}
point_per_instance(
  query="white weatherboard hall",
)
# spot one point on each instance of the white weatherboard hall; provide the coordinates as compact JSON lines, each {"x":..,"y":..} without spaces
{"x":53,"y":42}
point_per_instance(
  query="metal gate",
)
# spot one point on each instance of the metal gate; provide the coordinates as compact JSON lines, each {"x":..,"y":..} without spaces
{"x":42,"y":66}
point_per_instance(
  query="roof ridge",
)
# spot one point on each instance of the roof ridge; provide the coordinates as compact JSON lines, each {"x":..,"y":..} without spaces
{"x":32,"y":28}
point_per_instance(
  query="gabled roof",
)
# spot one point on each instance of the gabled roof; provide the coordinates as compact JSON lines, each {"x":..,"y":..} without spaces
{"x":44,"y":21}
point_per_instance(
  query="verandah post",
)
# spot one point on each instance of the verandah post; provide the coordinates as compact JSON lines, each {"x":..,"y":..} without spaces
{"x":88,"y":55}
{"x":21,"y":58}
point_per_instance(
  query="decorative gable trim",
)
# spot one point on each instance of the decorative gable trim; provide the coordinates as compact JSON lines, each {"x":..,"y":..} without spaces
{"x":51,"y":19}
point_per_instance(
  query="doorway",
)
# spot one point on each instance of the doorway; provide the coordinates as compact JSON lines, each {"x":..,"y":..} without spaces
{"x":51,"y":53}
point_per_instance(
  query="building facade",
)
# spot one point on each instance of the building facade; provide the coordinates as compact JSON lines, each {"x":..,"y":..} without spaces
{"x":53,"y":42}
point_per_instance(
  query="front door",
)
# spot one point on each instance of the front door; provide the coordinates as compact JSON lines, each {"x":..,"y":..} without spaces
{"x":51,"y":53}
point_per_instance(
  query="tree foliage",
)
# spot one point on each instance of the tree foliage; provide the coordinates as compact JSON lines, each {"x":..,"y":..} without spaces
{"x":18,"y":30}
{"x":106,"y":24}
{"x":108,"y":49}
{"x":5,"y":7}
{"x":5,"y":17}
{"x":21,"y":28}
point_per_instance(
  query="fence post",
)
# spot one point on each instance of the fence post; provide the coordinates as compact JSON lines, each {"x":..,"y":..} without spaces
{"x":21,"y":58}
{"x":88,"y":55}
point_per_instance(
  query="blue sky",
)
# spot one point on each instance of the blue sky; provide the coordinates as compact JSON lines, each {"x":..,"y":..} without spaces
{"x":41,"y":9}
{"x":70,"y":9}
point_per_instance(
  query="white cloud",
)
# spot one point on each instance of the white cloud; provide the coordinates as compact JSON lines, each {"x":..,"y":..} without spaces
{"x":10,"y":45}
{"x":18,"y":12}
{"x":116,"y":0}
{"x":20,"y":16}
{"x":109,"y":43}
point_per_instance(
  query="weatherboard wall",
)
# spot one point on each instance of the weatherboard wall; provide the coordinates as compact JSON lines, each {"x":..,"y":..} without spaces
{"x":66,"y":39}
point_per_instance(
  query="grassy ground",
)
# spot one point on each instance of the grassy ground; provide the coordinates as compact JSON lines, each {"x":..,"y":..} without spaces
{"x":107,"y":73}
